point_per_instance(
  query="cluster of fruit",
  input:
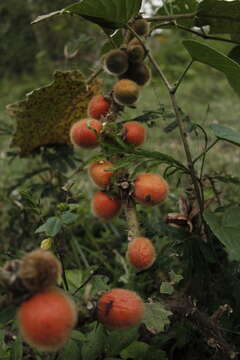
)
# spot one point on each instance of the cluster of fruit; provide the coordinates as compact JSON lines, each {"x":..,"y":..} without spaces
{"x":147,"y":188}
{"x":47,"y":317}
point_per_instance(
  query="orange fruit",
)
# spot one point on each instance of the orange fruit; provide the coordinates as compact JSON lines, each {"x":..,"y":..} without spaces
{"x":150,"y":189}
{"x":84,"y":133}
{"x":141,"y":253}
{"x":99,"y":175}
{"x":120,"y":309}
{"x":134,"y":133}
{"x":47,"y":319}
{"x":98,"y":107}
{"x":105,"y":207}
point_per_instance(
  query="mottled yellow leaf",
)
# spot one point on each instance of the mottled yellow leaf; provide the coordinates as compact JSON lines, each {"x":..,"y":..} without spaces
{"x":45,"y":116}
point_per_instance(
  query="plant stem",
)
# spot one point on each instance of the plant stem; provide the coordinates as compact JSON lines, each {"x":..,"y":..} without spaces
{"x":179,"y":81}
{"x":93,"y":273}
{"x":132,"y":220}
{"x":171,"y":17}
{"x":205,"y":36}
{"x":183,"y":135}
{"x":94,"y":75}
{"x":206,"y":150}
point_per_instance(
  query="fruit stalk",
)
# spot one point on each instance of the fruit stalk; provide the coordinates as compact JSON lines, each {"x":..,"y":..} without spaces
{"x":132,"y":220}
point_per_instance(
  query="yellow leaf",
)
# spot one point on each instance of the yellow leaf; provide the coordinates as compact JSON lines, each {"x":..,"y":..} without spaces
{"x":47,"y":113}
{"x":46,"y":244}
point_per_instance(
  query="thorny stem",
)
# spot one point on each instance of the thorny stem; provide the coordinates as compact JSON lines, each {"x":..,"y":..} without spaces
{"x":171,"y":91}
{"x":132,"y":220}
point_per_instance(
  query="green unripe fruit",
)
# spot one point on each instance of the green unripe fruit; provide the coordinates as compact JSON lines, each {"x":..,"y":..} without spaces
{"x":116,"y":62}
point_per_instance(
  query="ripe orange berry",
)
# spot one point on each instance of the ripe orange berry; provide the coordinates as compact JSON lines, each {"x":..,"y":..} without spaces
{"x":120,"y":309}
{"x":84,"y":133}
{"x":47,"y":319}
{"x":105,"y":207}
{"x":141,"y":253}
{"x":150,"y":189}
{"x":40,"y":269}
{"x":134,"y":133}
{"x":98,"y":107}
{"x":98,"y":173}
{"x":125,"y":92}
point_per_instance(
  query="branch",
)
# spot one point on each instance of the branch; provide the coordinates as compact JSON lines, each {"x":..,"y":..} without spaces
{"x":183,"y":134}
{"x":203,"y":35}
{"x":207,"y":326}
{"x":194,"y":32}
{"x":94,"y":75}
{"x":171,"y":17}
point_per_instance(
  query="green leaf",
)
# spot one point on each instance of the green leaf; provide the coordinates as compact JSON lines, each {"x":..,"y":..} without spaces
{"x":136,"y":350}
{"x":111,"y":14}
{"x":71,"y":351}
{"x":223,"y":17}
{"x":225,"y":133}
{"x":209,"y":56}
{"x":175,"y":278}
{"x":234,"y":54}
{"x":68,"y":217}
{"x":17,"y":349}
{"x":120,"y":339}
{"x":74,"y":279}
{"x":156,"y":317}
{"x":166,"y":288}
{"x":51,"y":227}
{"x":226,"y":227}
{"x":94,"y":346}
{"x":155,"y":354}
{"x":100,"y":283}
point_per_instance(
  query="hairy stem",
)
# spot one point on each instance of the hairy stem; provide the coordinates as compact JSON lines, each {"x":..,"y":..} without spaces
{"x":183,"y":135}
{"x":132,"y":220}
